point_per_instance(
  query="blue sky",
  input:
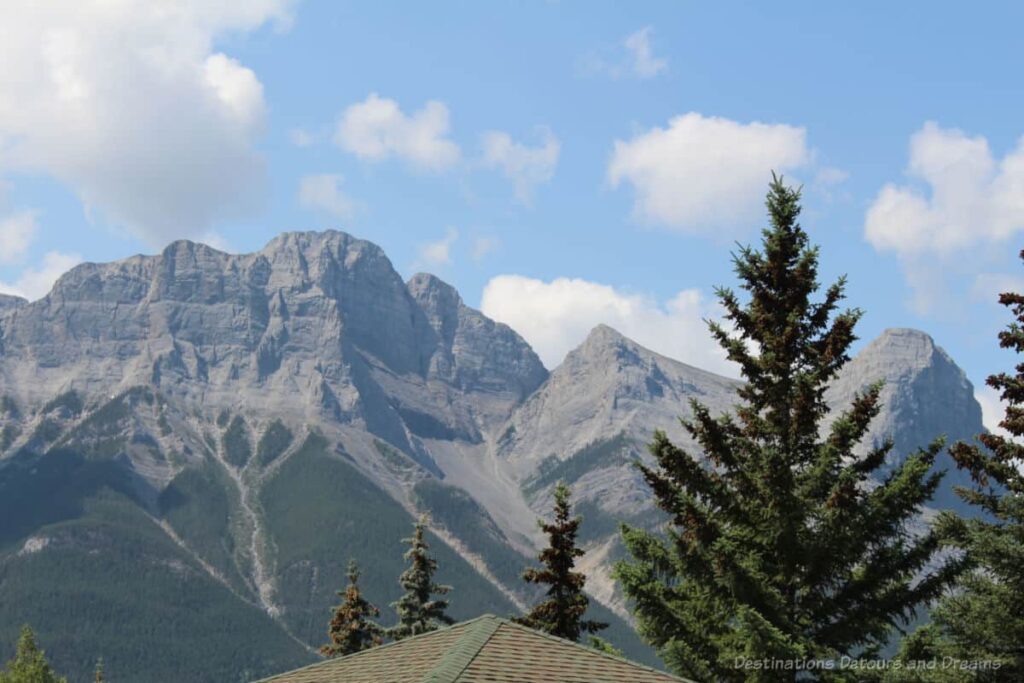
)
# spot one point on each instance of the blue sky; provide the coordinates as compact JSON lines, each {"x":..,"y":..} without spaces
{"x":561,"y":163}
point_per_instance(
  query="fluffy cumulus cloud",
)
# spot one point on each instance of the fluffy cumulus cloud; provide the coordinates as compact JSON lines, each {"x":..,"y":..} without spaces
{"x":965,"y":196}
{"x":324,"y":193}
{"x":556,"y":316}
{"x":438,"y":253}
{"x":527,"y":167}
{"x":951,"y":219}
{"x":16,"y":234}
{"x":131,"y":106}
{"x":35,"y":283}
{"x":705,"y":175}
{"x":377,"y":129}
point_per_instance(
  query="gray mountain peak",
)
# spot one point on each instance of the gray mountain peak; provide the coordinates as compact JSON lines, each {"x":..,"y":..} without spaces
{"x":316,"y":325}
{"x":237,"y":398}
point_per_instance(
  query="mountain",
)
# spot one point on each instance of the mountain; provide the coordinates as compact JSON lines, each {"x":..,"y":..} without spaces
{"x":193,"y":444}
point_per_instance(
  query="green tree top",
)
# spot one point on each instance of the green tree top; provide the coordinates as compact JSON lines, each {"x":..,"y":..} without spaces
{"x":562,"y":613}
{"x":984,"y":619}
{"x":29,"y":664}
{"x":352,"y":628}
{"x":780,"y":544}
{"x":417,"y":611}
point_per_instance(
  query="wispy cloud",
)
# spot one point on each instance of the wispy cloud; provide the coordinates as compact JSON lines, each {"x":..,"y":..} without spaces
{"x":634,"y":57}
{"x":438,"y":253}
{"x":324,"y":193}
{"x":17,"y":231}
{"x":527,"y":167}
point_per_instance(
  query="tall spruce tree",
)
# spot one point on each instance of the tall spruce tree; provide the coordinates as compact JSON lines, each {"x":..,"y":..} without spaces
{"x":417,"y":611}
{"x":562,"y":613}
{"x":780,"y":545}
{"x":29,"y":664}
{"x":352,"y":628}
{"x":983,"y":620}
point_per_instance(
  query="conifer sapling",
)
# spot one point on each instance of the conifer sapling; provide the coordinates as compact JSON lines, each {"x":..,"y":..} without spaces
{"x":29,"y":664}
{"x":561,"y":614}
{"x":352,"y":628}
{"x":417,"y":611}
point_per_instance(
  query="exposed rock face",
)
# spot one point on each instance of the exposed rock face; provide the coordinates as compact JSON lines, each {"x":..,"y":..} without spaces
{"x":606,"y":387}
{"x":924,"y":396}
{"x":9,"y":302}
{"x":316,"y":326}
{"x":203,"y":386}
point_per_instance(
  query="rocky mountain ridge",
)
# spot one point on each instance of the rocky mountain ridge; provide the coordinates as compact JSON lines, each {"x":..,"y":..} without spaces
{"x":259,"y":417}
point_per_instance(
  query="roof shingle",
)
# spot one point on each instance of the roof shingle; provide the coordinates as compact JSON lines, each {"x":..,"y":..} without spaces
{"x":487,"y":649}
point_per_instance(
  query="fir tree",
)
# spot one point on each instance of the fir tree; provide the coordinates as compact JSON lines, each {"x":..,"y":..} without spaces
{"x":779,"y":543}
{"x":417,"y":611}
{"x":352,"y":629}
{"x":562,"y":613}
{"x":983,"y":620}
{"x":29,"y":664}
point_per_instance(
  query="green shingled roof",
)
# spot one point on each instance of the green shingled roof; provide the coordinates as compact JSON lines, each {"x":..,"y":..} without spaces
{"x":487,"y":649}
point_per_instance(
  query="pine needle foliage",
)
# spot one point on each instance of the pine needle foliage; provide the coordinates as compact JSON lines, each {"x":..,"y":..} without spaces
{"x":781,"y":545}
{"x":561,"y":614}
{"x":983,"y":620}
{"x":29,"y":664}
{"x":352,"y":628}
{"x":418,"y":611}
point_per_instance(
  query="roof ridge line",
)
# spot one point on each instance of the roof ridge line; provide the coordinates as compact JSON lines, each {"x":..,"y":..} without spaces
{"x":462,"y":624}
{"x":460,"y":655}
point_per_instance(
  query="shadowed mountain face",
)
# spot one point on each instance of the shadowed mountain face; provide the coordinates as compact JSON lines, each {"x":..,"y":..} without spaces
{"x":198,"y":437}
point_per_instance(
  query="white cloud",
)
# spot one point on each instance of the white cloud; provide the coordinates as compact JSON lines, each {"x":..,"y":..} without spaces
{"x":35,"y":283}
{"x":438,"y":253}
{"x":971,"y":197}
{"x":526,"y":167}
{"x":988,"y":286}
{"x":16,"y":234}
{"x":129,"y":104}
{"x":705,"y":175}
{"x":324,"y":193}
{"x":376,"y":129}
{"x":555,"y":317}
{"x":993,"y":410}
{"x":952,"y":219}
{"x":642,"y":62}
{"x":633,"y":58}
{"x":482,"y":246}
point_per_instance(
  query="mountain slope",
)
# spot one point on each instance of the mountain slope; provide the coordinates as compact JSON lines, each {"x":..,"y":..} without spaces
{"x":236,"y":427}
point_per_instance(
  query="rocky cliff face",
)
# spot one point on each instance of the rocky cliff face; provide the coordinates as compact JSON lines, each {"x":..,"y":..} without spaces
{"x":924,"y":396}
{"x":316,"y":326}
{"x":8,"y":302}
{"x":253,"y":420}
